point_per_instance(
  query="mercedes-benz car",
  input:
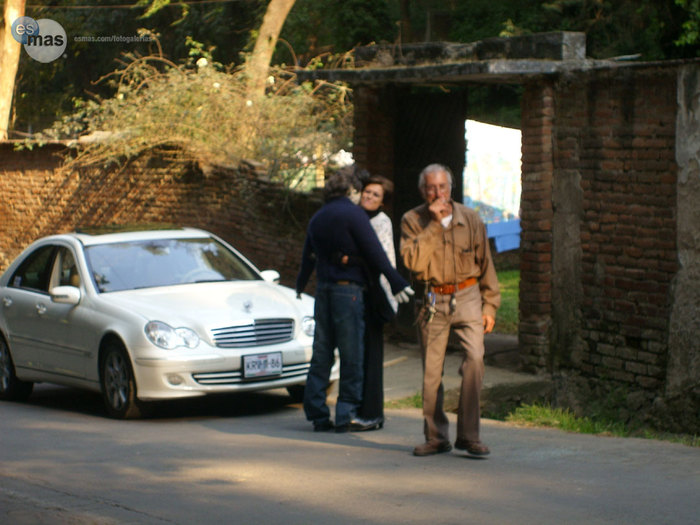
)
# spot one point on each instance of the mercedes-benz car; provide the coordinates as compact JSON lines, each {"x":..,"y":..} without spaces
{"x":149,"y":315}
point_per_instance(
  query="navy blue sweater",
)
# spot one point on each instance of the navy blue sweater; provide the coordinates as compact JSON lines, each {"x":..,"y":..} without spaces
{"x":341,"y":227}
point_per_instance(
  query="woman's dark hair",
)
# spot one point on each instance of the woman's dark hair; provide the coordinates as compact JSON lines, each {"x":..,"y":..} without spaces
{"x":339,"y":184}
{"x":386,"y":184}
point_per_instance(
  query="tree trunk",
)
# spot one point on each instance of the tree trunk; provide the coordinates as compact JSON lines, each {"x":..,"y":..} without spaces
{"x":259,"y":62}
{"x":9,"y":60}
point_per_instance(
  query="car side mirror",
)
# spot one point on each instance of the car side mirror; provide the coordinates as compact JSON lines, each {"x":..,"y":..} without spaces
{"x":65,"y":294}
{"x":271,"y":276}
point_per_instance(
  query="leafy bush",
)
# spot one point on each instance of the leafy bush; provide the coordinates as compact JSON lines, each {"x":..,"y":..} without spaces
{"x":201,"y":112}
{"x":546,"y":416}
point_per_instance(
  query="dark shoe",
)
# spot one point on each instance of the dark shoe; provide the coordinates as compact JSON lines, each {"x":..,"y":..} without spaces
{"x":432,"y":447}
{"x":362,"y":425}
{"x":475,"y":448}
{"x":340,"y":429}
{"x":323,"y":426}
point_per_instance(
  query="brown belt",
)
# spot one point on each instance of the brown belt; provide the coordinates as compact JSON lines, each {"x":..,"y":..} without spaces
{"x":449,"y":289}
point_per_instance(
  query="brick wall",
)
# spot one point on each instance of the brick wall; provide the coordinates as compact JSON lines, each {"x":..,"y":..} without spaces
{"x":621,"y":131}
{"x":260,"y":218}
{"x":536,"y":223}
{"x":599,"y":235}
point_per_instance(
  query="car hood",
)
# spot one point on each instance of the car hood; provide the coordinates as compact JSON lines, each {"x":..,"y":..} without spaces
{"x":213,"y":305}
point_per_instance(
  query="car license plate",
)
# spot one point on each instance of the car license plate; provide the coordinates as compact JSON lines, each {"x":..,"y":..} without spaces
{"x":258,"y":365}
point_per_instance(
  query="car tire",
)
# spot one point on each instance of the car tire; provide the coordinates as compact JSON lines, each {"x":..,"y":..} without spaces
{"x":118,"y":383}
{"x":11,"y":388}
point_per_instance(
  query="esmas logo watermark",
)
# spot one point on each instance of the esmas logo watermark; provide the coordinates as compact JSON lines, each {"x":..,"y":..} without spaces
{"x":44,"y":40}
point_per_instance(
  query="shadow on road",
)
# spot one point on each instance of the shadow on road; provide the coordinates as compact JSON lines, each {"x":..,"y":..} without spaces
{"x":67,"y":399}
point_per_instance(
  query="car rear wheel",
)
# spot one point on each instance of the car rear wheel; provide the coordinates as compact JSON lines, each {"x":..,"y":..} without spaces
{"x":118,"y":383}
{"x":11,"y":388}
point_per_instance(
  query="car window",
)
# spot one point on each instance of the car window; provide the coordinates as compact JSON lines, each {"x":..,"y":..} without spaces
{"x":164,"y":262}
{"x":65,"y":271}
{"x":34,"y":272}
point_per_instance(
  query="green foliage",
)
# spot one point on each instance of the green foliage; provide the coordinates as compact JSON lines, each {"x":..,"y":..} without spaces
{"x":508,"y":314}
{"x":317,"y":29}
{"x":200,"y":112}
{"x":44,"y":92}
{"x":690,"y":34}
{"x":153,"y":6}
{"x":564,"y":419}
{"x":360,"y":22}
{"x":323,"y":27}
{"x":414,"y":401}
{"x":627,"y":27}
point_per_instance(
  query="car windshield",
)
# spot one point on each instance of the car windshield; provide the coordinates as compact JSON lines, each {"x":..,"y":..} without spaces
{"x":164,"y":262}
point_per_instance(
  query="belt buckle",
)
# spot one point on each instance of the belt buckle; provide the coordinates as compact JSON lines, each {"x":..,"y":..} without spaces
{"x":444,"y":289}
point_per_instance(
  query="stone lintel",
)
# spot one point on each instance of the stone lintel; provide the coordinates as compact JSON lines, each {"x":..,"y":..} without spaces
{"x":563,"y":45}
{"x":477,"y":71}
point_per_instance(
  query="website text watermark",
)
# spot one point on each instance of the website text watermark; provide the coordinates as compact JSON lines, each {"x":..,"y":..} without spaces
{"x":45,"y":40}
{"x":113,"y":38}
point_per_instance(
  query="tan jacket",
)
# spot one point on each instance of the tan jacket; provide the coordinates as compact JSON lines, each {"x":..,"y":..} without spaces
{"x":450,"y":255}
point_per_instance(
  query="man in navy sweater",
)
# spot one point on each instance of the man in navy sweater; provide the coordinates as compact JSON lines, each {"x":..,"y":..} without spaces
{"x":340,"y":226}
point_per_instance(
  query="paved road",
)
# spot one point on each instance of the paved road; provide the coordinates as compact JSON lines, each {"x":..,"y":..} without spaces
{"x":253,"y":459}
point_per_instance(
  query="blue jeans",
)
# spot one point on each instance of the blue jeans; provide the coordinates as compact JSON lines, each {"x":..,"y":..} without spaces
{"x":339,"y":313}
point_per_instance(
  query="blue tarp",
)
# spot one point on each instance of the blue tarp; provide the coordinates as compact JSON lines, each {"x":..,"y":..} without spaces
{"x":505,"y":235}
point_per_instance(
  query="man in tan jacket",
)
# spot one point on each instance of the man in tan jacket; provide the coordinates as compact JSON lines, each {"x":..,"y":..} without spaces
{"x":445,"y":246}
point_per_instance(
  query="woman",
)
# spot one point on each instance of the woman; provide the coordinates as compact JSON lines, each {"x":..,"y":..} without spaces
{"x":381,"y":306}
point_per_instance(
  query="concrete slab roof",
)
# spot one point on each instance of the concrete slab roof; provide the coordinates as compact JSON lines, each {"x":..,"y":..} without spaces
{"x":494,"y":60}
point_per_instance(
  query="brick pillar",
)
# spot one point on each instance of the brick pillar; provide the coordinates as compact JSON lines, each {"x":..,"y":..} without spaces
{"x":373,"y":140}
{"x":536,"y":220}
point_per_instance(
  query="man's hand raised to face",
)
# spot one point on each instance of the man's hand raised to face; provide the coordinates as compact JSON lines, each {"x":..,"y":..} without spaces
{"x":440,"y":208}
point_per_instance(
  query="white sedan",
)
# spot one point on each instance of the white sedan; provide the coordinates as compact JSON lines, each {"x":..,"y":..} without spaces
{"x":149,"y":315}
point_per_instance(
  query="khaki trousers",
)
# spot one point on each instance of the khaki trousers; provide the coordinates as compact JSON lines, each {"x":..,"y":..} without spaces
{"x":467,"y":324}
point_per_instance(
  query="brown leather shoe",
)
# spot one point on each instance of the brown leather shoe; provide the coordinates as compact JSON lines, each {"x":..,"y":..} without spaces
{"x":475,"y":448}
{"x":431,"y":447}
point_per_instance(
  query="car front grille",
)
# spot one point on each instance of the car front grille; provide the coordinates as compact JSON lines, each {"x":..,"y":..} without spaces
{"x":260,"y":333}
{"x":236,"y":376}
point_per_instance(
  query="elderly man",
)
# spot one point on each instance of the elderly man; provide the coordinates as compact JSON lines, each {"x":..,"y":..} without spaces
{"x":444,"y":244}
{"x":341,"y":227}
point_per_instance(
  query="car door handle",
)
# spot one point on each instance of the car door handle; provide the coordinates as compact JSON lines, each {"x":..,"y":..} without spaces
{"x":7,"y":302}
{"x":40,"y":309}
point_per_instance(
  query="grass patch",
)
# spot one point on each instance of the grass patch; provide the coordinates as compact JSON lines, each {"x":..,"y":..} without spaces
{"x":544,"y":416}
{"x":563,"y":419}
{"x":414,"y":401}
{"x":508,"y":314}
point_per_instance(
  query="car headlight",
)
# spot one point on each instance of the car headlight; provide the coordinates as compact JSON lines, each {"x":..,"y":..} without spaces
{"x":308,"y":325}
{"x":165,"y":336}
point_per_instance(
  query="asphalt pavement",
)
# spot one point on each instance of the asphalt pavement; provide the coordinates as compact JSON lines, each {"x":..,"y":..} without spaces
{"x":62,"y":461}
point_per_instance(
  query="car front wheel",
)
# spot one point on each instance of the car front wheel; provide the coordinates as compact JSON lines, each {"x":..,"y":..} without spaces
{"x":118,"y":383}
{"x":11,"y":388}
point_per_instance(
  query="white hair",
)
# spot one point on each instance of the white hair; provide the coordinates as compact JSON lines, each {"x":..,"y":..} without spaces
{"x":434,"y":168}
